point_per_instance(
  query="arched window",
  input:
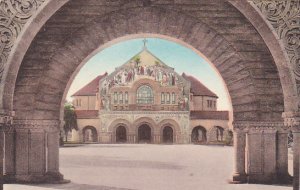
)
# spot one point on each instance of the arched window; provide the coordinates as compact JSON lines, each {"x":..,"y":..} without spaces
{"x":115,"y":97}
{"x":144,"y":95}
{"x":120,"y":97}
{"x":126,"y":97}
{"x":173,"y":98}
{"x":167,"y":98}
{"x":162,"y":98}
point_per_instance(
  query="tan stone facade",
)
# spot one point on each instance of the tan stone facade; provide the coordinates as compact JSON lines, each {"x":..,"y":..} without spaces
{"x":144,"y":100}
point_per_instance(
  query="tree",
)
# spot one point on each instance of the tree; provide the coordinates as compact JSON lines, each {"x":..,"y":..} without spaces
{"x":70,"y":119}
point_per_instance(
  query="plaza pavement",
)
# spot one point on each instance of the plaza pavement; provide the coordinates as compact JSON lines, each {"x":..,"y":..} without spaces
{"x":146,"y":167}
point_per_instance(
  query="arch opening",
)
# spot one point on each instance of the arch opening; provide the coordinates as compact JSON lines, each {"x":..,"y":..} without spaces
{"x":198,"y":135}
{"x":89,"y":134}
{"x":144,"y":134}
{"x":121,"y":134}
{"x":168,"y":135}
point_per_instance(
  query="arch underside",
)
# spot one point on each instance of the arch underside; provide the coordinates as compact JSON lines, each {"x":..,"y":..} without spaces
{"x":35,"y":88}
{"x":70,"y":35}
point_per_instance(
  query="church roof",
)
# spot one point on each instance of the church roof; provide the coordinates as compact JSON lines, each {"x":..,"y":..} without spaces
{"x":86,"y":114}
{"x":197,"y":88}
{"x":91,"y":88}
{"x":217,"y":115}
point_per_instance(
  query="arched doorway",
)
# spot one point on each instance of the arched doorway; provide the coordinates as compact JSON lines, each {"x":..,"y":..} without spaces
{"x":89,"y":134}
{"x":168,"y":134}
{"x":198,"y":135}
{"x":216,"y":134}
{"x":121,"y":134}
{"x":144,"y":134}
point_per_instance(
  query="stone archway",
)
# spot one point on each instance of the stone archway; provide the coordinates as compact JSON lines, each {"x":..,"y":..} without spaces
{"x":144,"y":133}
{"x":167,"y":135}
{"x":124,"y":130}
{"x":121,"y":134}
{"x":36,"y":91}
{"x":173,"y":129}
{"x":89,"y":134}
{"x":199,"y":135}
{"x":216,"y":134}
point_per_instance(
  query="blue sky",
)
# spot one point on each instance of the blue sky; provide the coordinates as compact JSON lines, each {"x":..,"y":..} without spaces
{"x":175,"y":55}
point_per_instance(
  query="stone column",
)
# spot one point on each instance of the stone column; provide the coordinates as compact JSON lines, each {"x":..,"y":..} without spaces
{"x":239,"y":175}
{"x":292,"y":120}
{"x":9,"y":153}
{"x":296,"y":157}
{"x":52,"y":155}
{"x":36,"y":151}
{"x":283,"y":175}
{"x":7,"y":147}
{"x":1,"y":156}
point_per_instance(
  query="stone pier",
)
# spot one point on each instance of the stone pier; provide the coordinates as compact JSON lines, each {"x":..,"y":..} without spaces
{"x":260,"y":152}
{"x":292,"y":121}
{"x":239,"y":175}
{"x":35,"y":144}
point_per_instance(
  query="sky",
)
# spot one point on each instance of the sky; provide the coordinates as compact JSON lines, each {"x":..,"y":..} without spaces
{"x":181,"y":58}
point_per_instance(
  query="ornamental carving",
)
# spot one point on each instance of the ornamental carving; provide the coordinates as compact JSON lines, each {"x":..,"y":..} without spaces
{"x":13,"y":15}
{"x":262,"y":126}
{"x":292,"y":120}
{"x":284,"y":16}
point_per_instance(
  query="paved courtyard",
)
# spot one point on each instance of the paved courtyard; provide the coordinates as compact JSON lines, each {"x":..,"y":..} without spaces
{"x":149,"y":167}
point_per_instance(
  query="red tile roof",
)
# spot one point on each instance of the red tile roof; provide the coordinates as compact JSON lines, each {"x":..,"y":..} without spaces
{"x":197,"y":88}
{"x":217,"y":115}
{"x":91,"y":88}
{"x":86,"y":114}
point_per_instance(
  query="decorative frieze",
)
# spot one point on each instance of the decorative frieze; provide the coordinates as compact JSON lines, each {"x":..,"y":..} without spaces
{"x":292,"y":120}
{"x":13,"y":16}
{"x":47,"y":125}
{"x":284,"y":16}
{"x":259,"y":126}
{"x":107,"y":117}
{"x":7,"y":119}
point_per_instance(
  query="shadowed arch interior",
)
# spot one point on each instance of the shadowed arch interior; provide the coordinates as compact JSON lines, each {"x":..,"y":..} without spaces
{"x":67,"y":40}
{"x":89,"y":134}
{"x":199,"y":135}
{"x":144,"y":133}
{"x":121,"y":134}
{"x":168,"y":134}
{"x":236,"y":71}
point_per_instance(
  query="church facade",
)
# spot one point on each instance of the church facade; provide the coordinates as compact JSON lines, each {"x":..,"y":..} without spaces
{"x":146,"y":101}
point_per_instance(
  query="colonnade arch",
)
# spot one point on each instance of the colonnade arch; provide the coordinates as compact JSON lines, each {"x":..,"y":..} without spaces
{"x":123,"y":126}
{"x":199,"y":135}
{"x":169,"y":131}
{"x":216,"y":133}
{"x":254,"y":109}
{"x":89,"y":134}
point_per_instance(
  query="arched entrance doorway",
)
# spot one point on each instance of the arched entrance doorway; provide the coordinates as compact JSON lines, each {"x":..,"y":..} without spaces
{"x":89,"y":134}
{"x":121,"y":134}
{"x":168,"y":134}
{"x":198,"y":135}
{"x":144,"y":134}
